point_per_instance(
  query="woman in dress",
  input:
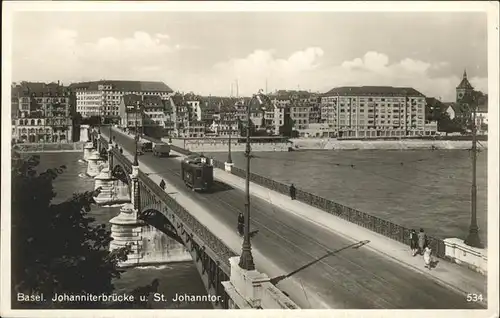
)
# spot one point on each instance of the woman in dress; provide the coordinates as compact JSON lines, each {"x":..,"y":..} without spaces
{"x":427,"y":257}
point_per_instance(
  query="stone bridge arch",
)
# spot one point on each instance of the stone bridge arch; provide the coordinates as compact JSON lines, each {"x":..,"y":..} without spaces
{"x":119,"y":172}
{"x":158,"y":220}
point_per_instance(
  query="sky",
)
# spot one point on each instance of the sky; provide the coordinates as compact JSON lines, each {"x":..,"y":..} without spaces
{"x":207,"y":52}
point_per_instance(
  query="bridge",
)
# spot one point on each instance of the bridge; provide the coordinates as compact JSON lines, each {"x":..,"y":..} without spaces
{"x":204,"y":225}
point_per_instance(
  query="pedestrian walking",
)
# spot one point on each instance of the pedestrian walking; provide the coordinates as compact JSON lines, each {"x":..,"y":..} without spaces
{"x":162,"y":184}
{"x":422,"y":241}
{"x":121,"y":150}
{"x":413,"y":242}
{"x":427,"y":257}
{"x":293,"y":192}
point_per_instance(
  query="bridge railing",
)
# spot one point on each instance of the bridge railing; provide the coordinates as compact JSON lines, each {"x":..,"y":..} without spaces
{"x":391,"y":230}
{"x":221,"y":251}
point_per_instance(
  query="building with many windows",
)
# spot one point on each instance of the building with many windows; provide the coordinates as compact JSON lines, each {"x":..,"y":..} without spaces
{"x":130,"y":111}
{"x":375,"y":111}
{"x":43,"y":112}
{"x":103,"y":98}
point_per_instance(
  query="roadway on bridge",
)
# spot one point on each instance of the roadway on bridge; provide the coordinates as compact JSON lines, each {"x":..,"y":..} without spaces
{"x":352,"y":279}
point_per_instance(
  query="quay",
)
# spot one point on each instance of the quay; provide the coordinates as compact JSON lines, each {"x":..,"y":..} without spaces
{"x":49,"y":147}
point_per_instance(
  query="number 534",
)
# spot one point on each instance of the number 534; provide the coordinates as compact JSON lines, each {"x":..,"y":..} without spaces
{"x":474,"y":297}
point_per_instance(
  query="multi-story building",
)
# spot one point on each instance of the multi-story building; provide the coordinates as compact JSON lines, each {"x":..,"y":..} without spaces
{"x":377,"y":111}
{"x":299,"y":111}
{"x":195,"y":108}
{"x":225,"y":127}
{"x":43,"y":114}
{"x":102,"y":98}
{"x":131,"y":114}
{"x":154,"y":111}
{"x":181,"y":115}
{"x":193,"y":129}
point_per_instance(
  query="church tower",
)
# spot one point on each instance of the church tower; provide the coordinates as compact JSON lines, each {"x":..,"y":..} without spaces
{"x":464,"y":87}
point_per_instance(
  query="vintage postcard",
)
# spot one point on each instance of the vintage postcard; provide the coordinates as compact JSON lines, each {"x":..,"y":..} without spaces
{"x":185,"y":158}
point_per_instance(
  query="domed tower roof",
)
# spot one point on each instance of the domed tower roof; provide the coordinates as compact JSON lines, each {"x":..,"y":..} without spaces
{"x":464,"y":84}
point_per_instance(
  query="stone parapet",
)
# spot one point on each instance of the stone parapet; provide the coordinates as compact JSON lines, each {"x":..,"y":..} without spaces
{"x":252,"y":289}
{"x":474,"y":258}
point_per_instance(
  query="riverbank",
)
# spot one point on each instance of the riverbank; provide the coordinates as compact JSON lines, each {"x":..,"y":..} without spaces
{"x":49,"y":147}
{"x":409,"y":144}
{"x":300,"y":144}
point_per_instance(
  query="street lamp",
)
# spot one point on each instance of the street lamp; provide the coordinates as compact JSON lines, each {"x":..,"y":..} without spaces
{"x":229,"y":159}
{"x":473,"y":236}
{"x":246,"y":258}
{"x":110,"y":134}
{"x":136,"y":161}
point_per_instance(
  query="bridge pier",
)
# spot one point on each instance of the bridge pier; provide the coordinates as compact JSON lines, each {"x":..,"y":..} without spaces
{"x":84,"y":133}
{"x":94,"y":164}
{"x":149,"y":245}
{"x":87,"y":150}
{"x":126,"y":230}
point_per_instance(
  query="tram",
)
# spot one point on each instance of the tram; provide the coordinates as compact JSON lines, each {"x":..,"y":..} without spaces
{"x":197,"y":173}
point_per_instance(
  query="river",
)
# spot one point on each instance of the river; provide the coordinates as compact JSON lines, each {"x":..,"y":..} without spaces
{"x":414,"y":188}
{"x":174,"y":278}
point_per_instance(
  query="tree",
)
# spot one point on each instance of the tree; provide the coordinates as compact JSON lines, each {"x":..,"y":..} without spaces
{"x":448,"y":125}
{"x":55,"y":247}
{"x":243,"y":128}
{"x":77,"y":122}
{"x":286,"y":129}
{"x":92,"y":121}
{"x":466,"y":105}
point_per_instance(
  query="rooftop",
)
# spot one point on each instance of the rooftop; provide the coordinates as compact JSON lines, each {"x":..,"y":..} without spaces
{"x":464,"y":84}
{"x":131,"y":99}
{"x":125,"y":86}
{"x":374,"y":91}
{"x":154,"y":101}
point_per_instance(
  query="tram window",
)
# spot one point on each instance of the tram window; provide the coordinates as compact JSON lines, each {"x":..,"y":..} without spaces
{"x":198,"y":173}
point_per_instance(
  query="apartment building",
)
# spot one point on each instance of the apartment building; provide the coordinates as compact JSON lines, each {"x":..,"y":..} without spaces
{"x":103,"y":98}
{"x":376,"y":111}
{"x":43,"y":112}
{"x":184,"y":119}
{"x":130,"y":112}
{"x":154,"y":111}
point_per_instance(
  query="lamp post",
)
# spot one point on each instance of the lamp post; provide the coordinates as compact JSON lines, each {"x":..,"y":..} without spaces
{"x":136,"y":162}
{"x":229,"y":159}
{"x":246,"y":258}
{"x":473,"y":236}
{"x":110,"y":134}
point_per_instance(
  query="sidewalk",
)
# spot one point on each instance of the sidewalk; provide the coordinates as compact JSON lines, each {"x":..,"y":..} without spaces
{"x":229,"y":236}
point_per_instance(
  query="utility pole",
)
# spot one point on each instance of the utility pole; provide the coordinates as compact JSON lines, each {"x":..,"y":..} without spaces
{"x":473,"y":237}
